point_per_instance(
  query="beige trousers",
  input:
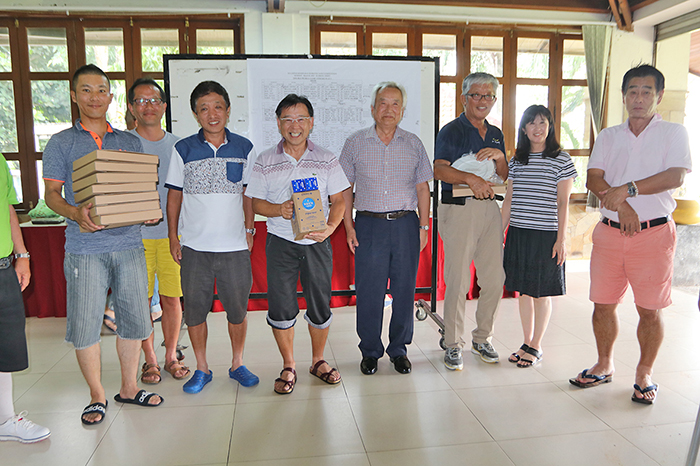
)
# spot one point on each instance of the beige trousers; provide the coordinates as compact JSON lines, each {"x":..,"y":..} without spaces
{"x":471,"y":232}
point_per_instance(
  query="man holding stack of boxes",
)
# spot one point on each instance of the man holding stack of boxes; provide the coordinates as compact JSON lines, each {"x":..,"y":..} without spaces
{"x":99,"y":258}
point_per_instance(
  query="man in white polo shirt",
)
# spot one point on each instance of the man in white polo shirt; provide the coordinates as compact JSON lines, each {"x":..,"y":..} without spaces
{"x":634,"y":168}
{"x":207,"y":177}
{"x":311,"y":258}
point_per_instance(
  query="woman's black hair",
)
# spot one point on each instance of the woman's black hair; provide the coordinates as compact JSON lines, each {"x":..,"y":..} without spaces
{"x":552,"y":147}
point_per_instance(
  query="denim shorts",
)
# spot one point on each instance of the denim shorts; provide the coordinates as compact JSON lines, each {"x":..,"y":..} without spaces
{"x":88,"y":278}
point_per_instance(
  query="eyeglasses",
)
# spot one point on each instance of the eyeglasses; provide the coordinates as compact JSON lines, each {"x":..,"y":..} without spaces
{"x":294,"y":120}
{"x":153,"y":101}
{"x":478,"y":97}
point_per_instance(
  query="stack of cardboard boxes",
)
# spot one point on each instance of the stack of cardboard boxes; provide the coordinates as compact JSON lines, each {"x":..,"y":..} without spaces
{"x":121,"y":186}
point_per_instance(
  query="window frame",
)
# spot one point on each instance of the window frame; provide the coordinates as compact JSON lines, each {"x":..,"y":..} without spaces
{"x":21,"y":77}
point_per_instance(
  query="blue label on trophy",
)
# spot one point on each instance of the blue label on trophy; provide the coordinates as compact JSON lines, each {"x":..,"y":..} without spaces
{"x":308,"y":203}
{"x":304,"y":184}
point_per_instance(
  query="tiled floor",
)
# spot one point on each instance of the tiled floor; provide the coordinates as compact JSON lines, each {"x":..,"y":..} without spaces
{"x":483,"y":415}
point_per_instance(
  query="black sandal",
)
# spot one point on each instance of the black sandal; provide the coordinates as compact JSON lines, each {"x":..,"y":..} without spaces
{"x":529,"y":362}
{"x":514,"y":357}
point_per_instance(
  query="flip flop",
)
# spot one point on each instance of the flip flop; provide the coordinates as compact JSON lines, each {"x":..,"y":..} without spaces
{"x":94,"y":408}
{"x":650,"y":388}
{"x":529,"y":362}
{"x":288,"y":385}
{"x":597,"y":380}
{"x":325,"y":376}
{"x":141,"y":399}
{"x":108,"y":318}
{"x":514,"y":357}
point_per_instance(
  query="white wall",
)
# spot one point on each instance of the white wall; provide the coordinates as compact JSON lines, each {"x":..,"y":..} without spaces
{"x":628,"y":50}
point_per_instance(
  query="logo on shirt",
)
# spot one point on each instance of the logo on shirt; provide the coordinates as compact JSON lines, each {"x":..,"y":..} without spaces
{"x":308,"y":203}
{"x":495,"y":141}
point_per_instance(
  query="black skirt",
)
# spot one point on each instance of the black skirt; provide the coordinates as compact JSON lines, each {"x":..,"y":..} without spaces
{"x":529,"y":266}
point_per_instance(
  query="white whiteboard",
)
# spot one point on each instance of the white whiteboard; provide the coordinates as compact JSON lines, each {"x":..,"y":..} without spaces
{"x":338,"y":88}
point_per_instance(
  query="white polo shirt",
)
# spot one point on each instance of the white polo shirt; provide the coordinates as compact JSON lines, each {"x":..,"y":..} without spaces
{"x":274,"y":171}
{"x":625,"y":157}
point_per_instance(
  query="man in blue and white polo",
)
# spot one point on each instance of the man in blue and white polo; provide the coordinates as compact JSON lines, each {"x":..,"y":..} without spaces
{"x":207,"y":178}
{"x":311,"y":258}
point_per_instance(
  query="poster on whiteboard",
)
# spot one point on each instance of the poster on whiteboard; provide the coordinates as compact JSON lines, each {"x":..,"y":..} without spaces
{"x":339,"y":90}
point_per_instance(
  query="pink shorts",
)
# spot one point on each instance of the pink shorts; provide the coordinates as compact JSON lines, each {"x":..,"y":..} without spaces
{"x":644,"y":261}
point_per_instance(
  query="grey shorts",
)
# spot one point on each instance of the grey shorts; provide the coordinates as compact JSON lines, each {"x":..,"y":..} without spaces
{"x":234,"y":279}
{"x":88,"y":278}
{"x":287,"y":262}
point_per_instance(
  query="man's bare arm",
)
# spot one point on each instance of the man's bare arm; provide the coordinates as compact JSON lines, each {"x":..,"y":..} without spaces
{"x":56,"y":202}
{"x":172,"y":210}
{"x":22,"y":264}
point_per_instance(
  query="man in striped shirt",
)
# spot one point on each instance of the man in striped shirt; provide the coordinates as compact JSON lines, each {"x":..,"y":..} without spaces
{"x":390,"y":171}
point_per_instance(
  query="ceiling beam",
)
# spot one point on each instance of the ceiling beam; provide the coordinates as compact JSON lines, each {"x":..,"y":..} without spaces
{"x":623,"y":16}
{"x":586,"y":6}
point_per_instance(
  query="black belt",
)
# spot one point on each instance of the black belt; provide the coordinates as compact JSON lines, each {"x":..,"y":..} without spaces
{"x":385,"y":215}
{"x":648,"y":224}
{"x":5,"y":262}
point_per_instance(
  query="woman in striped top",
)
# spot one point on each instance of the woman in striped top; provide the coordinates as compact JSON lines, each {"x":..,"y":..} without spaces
{"x":536,"y":207}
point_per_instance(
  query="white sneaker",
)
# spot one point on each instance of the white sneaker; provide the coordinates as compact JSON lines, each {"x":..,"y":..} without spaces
{"x":20,"y":429}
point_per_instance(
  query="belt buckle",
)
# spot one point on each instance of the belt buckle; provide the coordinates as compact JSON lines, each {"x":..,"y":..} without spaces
{"x":5,"y":263}
{"x":389,"y":216}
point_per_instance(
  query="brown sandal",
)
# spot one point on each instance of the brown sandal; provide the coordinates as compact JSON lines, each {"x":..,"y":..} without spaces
{"x":174,"y":366}
{"x":153,"y":375}
{"x":325,"y":376}
{"x":285,"y":387}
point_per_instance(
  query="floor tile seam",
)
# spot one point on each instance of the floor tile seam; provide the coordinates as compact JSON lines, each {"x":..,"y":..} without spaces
{"x":568,"y":393}
{"x":233,"y":426}
{"x":357,"y":424}
{"x":30,"y":387}
{"x":488,"y":432}
{"x":428,"y":447}
{"x":630,"y":444}
{"x":109,"y":426}
{"x":351,"y":397}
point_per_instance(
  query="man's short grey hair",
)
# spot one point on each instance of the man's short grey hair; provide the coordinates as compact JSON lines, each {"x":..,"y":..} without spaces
{"x":389,"y":85}
{"x":479,"y":78}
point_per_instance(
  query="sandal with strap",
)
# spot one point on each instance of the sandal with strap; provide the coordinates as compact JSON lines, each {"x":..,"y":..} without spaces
{"x":514,"y":357}
{"x":174,"y":366}
{"x":530,"y":362}
{"x":285,"y":387}
{"x":149,"y":376}
{"x":325,"y":376}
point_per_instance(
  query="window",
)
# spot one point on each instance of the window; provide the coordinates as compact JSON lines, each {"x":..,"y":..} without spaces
{"x":533,"y":66}
{"x":39,"y":54}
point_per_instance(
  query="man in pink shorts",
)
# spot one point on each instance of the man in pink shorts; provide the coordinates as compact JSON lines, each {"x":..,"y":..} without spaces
{"x":633,"y":169}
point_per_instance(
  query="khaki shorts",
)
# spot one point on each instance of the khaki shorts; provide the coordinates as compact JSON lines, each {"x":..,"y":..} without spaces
{"x":160,"y":262}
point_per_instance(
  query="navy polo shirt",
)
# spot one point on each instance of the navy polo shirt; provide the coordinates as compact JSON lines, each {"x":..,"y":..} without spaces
{"x":460,"y":137}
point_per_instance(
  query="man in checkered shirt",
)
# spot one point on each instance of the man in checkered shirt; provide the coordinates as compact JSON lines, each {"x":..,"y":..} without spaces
{"x":390,"y":170}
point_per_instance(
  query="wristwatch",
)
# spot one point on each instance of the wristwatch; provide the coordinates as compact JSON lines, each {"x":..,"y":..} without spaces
{"x":424,"y":227}
{"x":250,"y":230}
{"x":632,"y":190}
{"x":22,"y":255}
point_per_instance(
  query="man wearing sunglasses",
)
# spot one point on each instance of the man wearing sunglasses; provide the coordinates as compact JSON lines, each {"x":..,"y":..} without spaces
{"x":470,"y":226}
{"x":288,"y":259}
{"x":147,"y":105}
